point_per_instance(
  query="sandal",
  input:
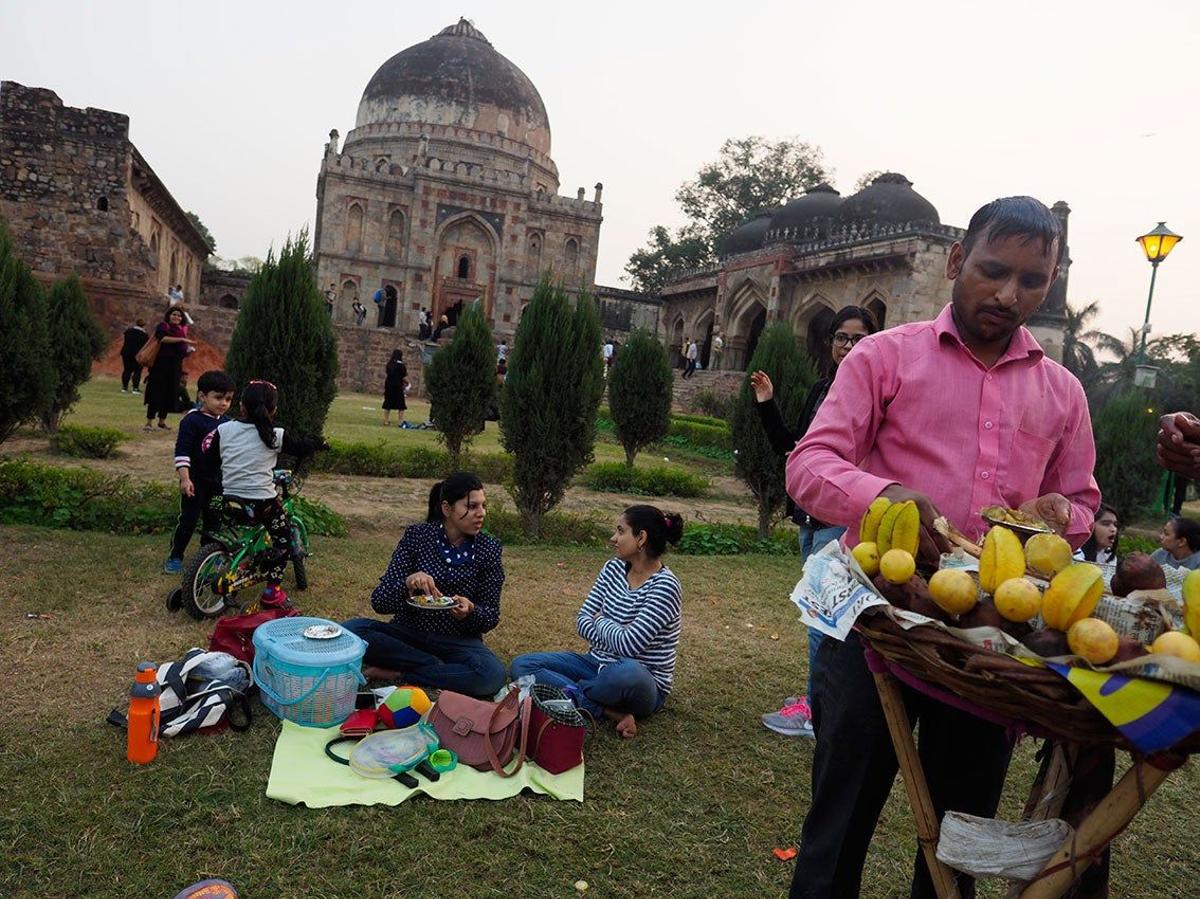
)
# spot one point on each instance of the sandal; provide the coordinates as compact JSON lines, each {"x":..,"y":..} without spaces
{"x":147,"y":428}
{"x":164,"y":426}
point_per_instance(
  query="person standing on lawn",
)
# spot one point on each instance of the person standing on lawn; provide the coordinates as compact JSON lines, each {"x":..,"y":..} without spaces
{"x":198,"y":483}
{"x":631,"y":619}
{"x":957,"y":413}
{"x":162,"y":384}
{"x":133,"y":339}
{"x":395,"y":380}
{"x":849,"y":326}
{"x":447,"y":555}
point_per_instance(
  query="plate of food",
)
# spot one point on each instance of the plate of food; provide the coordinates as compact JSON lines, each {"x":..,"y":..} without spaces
{"x":426,"y":601}
{"x":1021,"y":523}
{"x":322,"y":631}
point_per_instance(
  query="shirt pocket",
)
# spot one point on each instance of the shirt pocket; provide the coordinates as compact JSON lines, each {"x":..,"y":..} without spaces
{"x":1028,"y":462}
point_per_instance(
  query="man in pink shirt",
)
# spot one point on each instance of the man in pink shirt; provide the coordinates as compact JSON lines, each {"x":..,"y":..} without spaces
{"x":958,"y":413}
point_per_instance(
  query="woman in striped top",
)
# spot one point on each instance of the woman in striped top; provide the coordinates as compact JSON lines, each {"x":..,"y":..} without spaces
{"x":631,"y":618}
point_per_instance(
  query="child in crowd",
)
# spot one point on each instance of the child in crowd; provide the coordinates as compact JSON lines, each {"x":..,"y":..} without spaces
{"x":631,"y":620}
{"x":248,"y":449}
{"x":1106,"y":532}
{"x":198,"y":482}
{"x":1180,"y":540}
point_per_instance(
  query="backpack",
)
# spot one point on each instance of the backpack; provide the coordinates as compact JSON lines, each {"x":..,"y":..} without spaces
{"x":191,"y":700}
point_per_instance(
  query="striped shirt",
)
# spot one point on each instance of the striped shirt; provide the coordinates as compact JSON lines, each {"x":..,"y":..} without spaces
{"x":641,"y":624}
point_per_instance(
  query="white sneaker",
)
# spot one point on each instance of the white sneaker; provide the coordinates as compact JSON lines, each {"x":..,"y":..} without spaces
{"x":793,"y":720}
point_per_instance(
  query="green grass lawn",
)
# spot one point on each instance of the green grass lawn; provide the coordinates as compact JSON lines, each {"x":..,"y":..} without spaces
{"x":691,"y":808}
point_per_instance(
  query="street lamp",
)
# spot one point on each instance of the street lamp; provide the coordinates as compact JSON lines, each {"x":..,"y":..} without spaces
{"x":1156,"y":245}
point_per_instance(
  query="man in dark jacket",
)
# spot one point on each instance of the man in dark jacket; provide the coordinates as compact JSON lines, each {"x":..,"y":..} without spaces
{"x":135,"y":338}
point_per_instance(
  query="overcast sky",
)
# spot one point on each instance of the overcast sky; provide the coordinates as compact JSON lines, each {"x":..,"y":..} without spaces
{"x":1089,"y":102}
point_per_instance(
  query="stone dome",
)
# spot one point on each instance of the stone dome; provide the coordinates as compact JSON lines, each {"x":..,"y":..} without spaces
{"x":889,"y":200}
{"x":820,"y":203}
{"x":457,"y":79}
{"x":750,"y":235}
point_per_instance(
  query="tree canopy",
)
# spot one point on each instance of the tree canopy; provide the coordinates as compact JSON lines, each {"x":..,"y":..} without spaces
{"x":203,"y":229}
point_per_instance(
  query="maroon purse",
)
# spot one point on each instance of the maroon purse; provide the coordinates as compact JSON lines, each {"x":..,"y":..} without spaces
{"x":235,"y":634}
{"x":482,"y":734}
{"x":556,"y":737}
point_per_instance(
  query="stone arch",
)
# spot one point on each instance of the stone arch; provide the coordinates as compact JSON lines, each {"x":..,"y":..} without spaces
{"x":462,"y":270}
{"x":154,"y":246}
{"x":174,"y":268}
{"x":876,"y":302}
{"x":744,"y":324}
{"x":381,"y":165}
{"x":810,"y":321}
{"x":533,"y":255}
{"x":349,"y":291}
{"x":702,"y":332}
{"x":102,"y":204}
{"x":395,"y":235}
{"x":466,"y":234}
{"x":228,"y":301}
{"x":677,"y":337}
{"x":354,"y":228}
{"x":571,"y":256}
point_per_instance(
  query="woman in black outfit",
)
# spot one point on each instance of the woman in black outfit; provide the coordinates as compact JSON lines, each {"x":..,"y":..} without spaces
{"x":162,"y":384}
{"x":849,"y":326}
{"x":393,"y":388}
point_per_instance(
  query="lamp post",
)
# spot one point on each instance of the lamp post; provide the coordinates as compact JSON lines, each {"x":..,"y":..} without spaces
{"x":1156,"y":245}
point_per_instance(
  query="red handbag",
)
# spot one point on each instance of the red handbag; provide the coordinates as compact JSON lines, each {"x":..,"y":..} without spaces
{"x":235,"y":634}
{"x":556,"y":735}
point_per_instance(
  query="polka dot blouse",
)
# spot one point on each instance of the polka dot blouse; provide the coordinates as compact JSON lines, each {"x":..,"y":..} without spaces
{"x":472,"y":569}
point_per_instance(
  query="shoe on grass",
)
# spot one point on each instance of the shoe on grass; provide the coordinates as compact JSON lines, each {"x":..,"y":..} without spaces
{"x":793,"y":720}
{"x":172,"y":566}
{"x":135,"y":390}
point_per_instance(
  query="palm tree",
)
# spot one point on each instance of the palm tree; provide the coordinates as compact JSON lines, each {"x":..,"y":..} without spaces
{"x":1079,"y":354}
{"x":1117,"y":374}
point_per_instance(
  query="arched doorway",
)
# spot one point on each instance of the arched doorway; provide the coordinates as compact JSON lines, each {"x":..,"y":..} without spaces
{"x":744,"y":323}
{"x":757,"y":324}
{"x":465,"y":267}
{"x":816,"y":337}
{"x":387,"y":309}
{"x":677,"y":340}
{"x":704,"y":336}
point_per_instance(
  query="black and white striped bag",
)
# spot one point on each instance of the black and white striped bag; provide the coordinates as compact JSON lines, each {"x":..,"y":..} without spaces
{"x":189,"y":702}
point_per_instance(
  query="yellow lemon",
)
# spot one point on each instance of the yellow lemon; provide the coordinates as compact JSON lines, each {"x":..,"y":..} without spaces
{"x":1094,"y":640}
{"x":1177,"y":643}
{"x":1047,"y":554}
{"x":867,"y":555}
{"x":1018,"y":599}
{"x":897,"y":566}
{"x":954,"y":590}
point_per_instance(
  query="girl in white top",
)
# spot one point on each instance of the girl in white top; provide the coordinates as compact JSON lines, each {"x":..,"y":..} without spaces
{"x":248,"y":449}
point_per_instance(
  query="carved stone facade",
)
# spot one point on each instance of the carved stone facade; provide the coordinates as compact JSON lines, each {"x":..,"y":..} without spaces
{"x":883,"y":249}
{"x":77,"y":196}
{"x":445,"y":193}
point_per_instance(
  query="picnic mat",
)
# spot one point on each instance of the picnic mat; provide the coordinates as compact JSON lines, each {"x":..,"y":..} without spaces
{"x":301,"y":774}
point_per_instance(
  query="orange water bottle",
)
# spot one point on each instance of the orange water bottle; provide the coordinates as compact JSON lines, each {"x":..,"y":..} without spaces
{"x":143,"y":715}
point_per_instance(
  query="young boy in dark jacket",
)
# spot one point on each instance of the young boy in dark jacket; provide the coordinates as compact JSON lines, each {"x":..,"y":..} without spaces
{"x":198,"y":481}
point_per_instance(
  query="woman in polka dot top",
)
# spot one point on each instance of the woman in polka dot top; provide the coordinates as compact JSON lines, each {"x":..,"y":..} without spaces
{"x":447,"y":556}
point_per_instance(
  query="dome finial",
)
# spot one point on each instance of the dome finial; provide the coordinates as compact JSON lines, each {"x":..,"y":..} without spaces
{"x":464,"y":27}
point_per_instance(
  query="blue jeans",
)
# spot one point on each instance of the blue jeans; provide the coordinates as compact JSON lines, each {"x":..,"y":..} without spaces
{"x":461,"y":664}
{"x":624,"y":686}
{"x":812,"y":540}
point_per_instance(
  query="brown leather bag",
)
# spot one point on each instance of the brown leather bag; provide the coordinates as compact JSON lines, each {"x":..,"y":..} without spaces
{"x":483,"y":734}
{"x":148,"y":353}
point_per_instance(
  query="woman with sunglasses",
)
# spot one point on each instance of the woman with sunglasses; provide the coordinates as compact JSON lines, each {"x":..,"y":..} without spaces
{"x":849,"y":326}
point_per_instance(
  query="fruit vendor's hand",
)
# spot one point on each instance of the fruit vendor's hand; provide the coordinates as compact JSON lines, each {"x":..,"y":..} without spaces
{"x":760,"y":383}
{"x":1179,"y":444}
{"x":420,"y":582}
{"x":933,"y":544}
{"x":1053,"y":508}
{"x":462,"y":607}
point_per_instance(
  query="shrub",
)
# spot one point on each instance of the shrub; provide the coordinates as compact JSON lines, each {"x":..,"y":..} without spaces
{"x":639,"y":393}
{"x":76,"y":338}
{"x":86,"y":442}
{"x":557,"y":528}
{"x":384,"y":460}
{"x":1126,"y":468}
{"x":702,"y":434}
{"x":284,"y":335}
{"x":550,"y":397}
{"x":318,"y":518}
{"x":757,"y":463}
{"x":700,"y":420}
{"x":27,"y":377}
{"x":702,"y":539}
{"x":709,"y":452}
{"x":81,"y":499}
{"x":714,"y":404}
{"x":1136,"y":543}
{"x":659,"y":480}
{"x":461,"y":383}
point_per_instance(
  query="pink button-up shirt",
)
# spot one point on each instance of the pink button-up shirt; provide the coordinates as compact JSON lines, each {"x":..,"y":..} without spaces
{"x":913,"y":406}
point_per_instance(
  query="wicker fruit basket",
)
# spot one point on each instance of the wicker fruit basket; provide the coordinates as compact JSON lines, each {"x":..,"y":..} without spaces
{"x":996,"y":682}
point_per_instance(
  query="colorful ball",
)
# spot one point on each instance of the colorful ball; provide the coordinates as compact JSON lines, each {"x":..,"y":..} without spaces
{"x":404,"y":707}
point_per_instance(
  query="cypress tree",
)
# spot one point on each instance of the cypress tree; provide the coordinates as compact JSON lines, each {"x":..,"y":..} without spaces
{"x":551,"y":394}
{"x":781,"y":357}
{"x":76,"y":339}
{"x":639,"y":393}
{"x":284,"y":335}
{"x":26,"y":369}
{"x":1127,"y":470}
{"x":461,"y":382}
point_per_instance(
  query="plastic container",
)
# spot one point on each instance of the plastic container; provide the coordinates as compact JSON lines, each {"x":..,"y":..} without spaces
{"x":142,"y":722}
{"x":311,"y":682}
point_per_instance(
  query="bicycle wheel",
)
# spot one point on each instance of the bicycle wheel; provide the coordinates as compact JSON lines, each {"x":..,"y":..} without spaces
{"x":200,"y":598}
{"x":299,"y":542}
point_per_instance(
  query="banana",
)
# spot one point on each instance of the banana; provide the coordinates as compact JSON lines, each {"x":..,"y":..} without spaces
{"x":906,"y":533}
{"x":1191,"y":603}
{"x":1003,"y":557}
{"x":883,"y":540}
{"x":868,"y":528}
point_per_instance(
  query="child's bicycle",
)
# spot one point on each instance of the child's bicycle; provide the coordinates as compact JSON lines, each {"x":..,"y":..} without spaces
{"x":230,"y":558}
